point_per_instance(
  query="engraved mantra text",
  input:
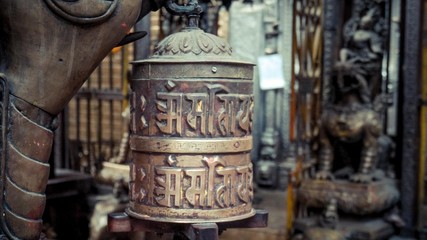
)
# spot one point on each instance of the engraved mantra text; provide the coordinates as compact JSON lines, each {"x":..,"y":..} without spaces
{"x":196,"y":187}
{"x":202,"y":116}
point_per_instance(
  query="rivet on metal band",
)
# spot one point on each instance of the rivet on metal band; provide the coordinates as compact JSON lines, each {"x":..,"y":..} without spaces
{"x":196,"y":145}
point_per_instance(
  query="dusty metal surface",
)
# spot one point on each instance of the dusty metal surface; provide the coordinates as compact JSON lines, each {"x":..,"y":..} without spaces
{"x":67,"y":49}
{"x":47,"y":54}
{"x":26,"y":148}
{"x":191,"y":124}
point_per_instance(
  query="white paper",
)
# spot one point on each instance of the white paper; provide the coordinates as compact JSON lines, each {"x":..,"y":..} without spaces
{"x":271,"y":72}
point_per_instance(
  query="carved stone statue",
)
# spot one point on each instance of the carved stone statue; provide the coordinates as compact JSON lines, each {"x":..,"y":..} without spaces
{"x":353,"y":178}
{"x":363,"y":37}
{"x":48,"y":48}
{"x":349,"y":134}
{"x":350,"y":123}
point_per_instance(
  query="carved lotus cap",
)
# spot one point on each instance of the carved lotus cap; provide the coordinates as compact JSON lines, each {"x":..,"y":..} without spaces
{"x":192,"y":42}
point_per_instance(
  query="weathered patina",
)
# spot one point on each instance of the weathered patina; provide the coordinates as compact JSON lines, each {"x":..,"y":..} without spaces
{"x":48,"y":49}
{"x":191,"y":124}
{"x":354,"y":183}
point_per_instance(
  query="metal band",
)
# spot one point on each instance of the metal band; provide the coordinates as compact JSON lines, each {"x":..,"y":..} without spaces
{"x":25,"y":152}
{"x":183,"y":215}
{"x":153,"y":69}
{"x":191,"y":145}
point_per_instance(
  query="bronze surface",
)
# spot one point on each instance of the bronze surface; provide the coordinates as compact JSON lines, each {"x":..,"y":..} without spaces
{"x":51,"y":50}
{"x":191,"y":125}
{"x":47,"y":50}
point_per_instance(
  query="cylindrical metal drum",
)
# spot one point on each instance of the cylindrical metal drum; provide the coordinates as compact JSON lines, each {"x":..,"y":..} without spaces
{"x":191,"y":132}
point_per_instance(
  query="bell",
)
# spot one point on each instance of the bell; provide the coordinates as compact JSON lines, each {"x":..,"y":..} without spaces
{"x":191,"y":125}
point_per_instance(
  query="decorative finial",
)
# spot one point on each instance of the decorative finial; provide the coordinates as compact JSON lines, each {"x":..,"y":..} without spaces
{"x":192,"y":10}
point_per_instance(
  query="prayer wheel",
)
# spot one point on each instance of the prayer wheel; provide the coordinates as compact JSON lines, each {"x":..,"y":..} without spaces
{"x":191,"y":124}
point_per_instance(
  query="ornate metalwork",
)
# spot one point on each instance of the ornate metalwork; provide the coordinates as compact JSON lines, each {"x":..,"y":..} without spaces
{"x":354,"y":155}
{"x":191,"y":138}
{"x":343,"y":124}
{"x":306,"y":71}
{"x":352,"y":118}
{"x":46,"y":58}
{"x":191,"y":8}
{"x":27,"y":151}
{"x":193,"y":42}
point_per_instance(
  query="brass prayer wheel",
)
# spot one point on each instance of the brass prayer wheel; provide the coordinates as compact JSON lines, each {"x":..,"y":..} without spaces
{"x":192,"y":107}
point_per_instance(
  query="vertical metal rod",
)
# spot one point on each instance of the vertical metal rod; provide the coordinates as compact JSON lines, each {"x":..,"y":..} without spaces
{"x":278,"y":109}
{"x":57,"y":147}
{"x":422,"y":221}
{"x":394,"y":67}
{"x":66,"y":139}
{"x":270,"y":96}
{"x":423,"y":147}
{"x":111,"y":112}
{"x":122,"y":67}
{"x":124,"y":83}
{"x":78,"y":139}
{"x":410,"y":116}
{"x":286,"y":49}
{"x":88,"y":130}
{"x":297,"y":52}
{"x":99,"y":125}
{"x":304,"y":81}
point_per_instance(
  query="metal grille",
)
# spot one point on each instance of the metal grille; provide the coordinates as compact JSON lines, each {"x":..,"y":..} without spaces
{"x":95,"y":121}
{"x":306,"y":85}
{"x":305,"y":96}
